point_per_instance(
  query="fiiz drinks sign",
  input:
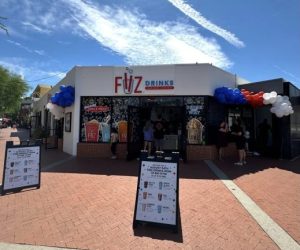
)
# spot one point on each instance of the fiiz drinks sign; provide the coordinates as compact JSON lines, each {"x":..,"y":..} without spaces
{"x":136,"y":84}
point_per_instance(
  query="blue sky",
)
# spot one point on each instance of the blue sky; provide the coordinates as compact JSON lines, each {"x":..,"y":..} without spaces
{"x":255,"y":39}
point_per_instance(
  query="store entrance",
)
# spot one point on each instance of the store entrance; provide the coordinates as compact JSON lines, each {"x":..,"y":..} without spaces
{"x":173,"y":118}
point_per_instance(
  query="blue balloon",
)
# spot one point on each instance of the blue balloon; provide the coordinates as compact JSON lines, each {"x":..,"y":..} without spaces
{"x":65,"y":97}
{"x":62,"y":87}
{"x":68,"y":103}
{"x":227,"y":95}
{"x":53,"y":99}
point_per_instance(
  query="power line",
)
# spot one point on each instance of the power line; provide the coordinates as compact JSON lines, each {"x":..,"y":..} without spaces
{"x":44,"y":78}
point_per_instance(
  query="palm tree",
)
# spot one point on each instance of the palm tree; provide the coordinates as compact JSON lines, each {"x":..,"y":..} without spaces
{"x":2,"y":26}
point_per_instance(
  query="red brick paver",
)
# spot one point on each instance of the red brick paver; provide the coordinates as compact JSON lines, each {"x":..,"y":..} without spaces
{"x":274,"y":185}
{"x":89,"y":204}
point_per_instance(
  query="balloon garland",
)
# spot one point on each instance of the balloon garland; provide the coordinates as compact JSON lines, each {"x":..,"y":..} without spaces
{"x":254,"y":99}
{"x":65,"y":97}
{"x":60,"y":100}
{"x":229,"y":96}
{"x":281,"y":106}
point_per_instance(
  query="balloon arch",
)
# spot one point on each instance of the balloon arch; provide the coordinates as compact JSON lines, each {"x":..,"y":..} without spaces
{"x":281,"y":105}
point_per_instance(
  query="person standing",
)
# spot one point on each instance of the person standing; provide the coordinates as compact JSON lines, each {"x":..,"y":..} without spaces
{"x":222,"y":138}
{"x":148,"y":136}
{"x":240,"y":142}
{"x":113,"y":142}
{"x":159,"y":132}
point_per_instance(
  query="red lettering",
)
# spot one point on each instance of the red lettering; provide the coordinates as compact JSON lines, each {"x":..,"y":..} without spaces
{"x":117,"y":83}
{"x":139,"y":78}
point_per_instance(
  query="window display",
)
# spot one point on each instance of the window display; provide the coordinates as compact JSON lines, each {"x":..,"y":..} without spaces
{"x":195,"y":113}
{"x":95,"y":119}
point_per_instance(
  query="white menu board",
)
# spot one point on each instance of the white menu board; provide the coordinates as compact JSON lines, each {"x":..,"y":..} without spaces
{"x":22,"y":167}
{"x":157,"y":194}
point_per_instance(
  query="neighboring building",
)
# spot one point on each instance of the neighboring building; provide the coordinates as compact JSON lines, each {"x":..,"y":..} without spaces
{"x":284,"y":135}
{"x":125,"y":97}
{"x":25,"y":112}
{"x":40,"y":91}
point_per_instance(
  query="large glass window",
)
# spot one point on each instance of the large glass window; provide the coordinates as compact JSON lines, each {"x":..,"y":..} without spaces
{"x":195,"y":113}
{"x":95,"y":119}
{"x":120,"y":115}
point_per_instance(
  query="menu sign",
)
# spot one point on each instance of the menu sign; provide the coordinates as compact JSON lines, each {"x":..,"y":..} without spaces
{"x":21,"y":168}
{"x":157,"y":193}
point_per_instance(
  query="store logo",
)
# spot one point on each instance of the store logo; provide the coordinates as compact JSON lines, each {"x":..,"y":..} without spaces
{"x":128,"y":83}
{"x":159,"y":85}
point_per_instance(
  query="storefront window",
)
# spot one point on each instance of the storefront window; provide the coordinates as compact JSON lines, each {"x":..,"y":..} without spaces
{"x":95,"y":119}
{"x":195,"y":114}
{"x":120,"y":115}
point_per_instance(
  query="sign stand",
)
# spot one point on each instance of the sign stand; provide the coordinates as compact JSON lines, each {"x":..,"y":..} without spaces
{"x":22,"y":167}
{"x":157,"y":193}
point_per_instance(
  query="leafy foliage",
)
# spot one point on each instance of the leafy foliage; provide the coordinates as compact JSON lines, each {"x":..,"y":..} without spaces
{"x":12,"y":89}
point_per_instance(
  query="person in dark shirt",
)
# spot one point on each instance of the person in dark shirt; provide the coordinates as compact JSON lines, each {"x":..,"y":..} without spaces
{"x":222,"y":138}
{"x":240,"y":142}
{"x":159,"y":132}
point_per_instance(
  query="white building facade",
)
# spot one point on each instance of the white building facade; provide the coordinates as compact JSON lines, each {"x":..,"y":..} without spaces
{"x":133,"y":95}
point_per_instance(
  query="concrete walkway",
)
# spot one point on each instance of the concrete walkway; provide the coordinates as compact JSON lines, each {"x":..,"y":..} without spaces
{"x":89,"y":204}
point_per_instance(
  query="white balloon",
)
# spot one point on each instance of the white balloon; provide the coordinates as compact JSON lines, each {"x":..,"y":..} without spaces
{"x":272,"y":99}
{"x":273,"y":94}
{"x":266,"y":96}
{"x":56,"y":110}
{"x":284,"y":106}
{"x":281,"y":105}
{"x":289,"y":103}
{"x":279,"y":114}
{"x":49,"y":105}
{"x":279,"y":98}
{"x":285,"y":98}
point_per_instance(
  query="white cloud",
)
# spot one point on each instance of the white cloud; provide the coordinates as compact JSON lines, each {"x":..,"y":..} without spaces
{"x":205,"y":23}
{"x":143,"y":42}
{"x":36,"y":28}
{"x":39,"y":52}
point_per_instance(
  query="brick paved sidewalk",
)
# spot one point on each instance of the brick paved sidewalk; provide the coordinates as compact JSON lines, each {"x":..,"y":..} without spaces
{"x":274,"y":185}
{"x":89,"y":204}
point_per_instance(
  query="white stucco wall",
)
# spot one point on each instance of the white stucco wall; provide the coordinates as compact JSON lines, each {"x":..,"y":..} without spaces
{"x":187,"y":79}
{"x":40,"y":105}
{"x":70,"y":143}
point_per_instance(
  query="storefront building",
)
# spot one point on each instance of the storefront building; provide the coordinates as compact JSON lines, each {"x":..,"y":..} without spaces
{"x":126,"y":97}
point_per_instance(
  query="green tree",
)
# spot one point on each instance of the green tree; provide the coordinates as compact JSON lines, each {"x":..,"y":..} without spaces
{"x":2,"y":26}
{"x":12,"y":89}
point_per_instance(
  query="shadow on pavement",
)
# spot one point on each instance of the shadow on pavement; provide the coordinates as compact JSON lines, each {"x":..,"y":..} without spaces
{"x":191,"y":170}
{"x":256,"y":164}
{"x":160,"y":233}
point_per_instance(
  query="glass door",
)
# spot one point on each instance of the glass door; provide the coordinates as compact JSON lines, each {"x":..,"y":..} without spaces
{"x":134,"y":132}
